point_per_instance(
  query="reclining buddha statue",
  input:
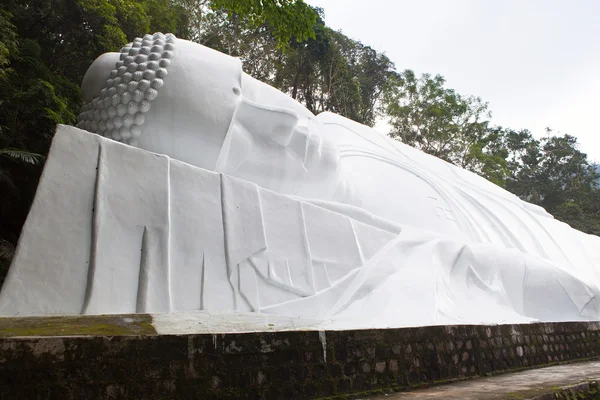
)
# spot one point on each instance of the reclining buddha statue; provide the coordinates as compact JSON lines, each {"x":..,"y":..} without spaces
{"x":189,"y":185}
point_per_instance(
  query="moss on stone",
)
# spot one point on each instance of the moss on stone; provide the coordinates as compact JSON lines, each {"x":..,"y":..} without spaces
{"x":86,"y":325}
{"x":558,"y":392}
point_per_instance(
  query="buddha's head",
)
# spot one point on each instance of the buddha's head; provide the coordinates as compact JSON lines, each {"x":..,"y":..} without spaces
{"x":194,"y":104}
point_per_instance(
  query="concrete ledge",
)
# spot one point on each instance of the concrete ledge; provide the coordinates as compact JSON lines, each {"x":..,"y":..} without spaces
{"x":87,"y":325}
{"x":281,"y":364}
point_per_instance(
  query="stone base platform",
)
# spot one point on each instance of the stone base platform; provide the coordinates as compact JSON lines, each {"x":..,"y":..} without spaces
{"x":248,"y":356}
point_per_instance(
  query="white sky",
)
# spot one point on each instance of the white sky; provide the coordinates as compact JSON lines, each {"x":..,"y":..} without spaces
{"x":537,"y":62}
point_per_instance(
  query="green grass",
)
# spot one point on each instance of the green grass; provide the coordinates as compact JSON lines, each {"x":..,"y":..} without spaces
{"x":88,"y":325}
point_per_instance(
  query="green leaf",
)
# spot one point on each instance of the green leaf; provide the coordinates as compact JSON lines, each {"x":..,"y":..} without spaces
{"x":7,"y":250}
{"x":23,"y":156}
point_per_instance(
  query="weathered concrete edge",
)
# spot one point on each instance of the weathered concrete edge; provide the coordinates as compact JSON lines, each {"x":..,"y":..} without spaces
{"x":193,"y":323}
{"x":72,"y":326}
{"x":282,"y":364}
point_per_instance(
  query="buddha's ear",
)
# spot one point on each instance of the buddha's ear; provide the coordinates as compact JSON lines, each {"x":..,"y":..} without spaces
{"x":97,"y":74}
{"x":267,"y":122}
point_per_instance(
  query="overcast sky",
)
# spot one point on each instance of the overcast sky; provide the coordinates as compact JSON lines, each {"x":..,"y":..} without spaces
{"x":537,"y":62}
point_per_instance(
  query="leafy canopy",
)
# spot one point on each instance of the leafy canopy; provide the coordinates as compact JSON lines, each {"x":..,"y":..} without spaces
{"x":286,"y":19}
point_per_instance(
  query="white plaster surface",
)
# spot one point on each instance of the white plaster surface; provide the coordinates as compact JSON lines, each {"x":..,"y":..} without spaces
{"x":233,"y":197}
{"x":198,"y":322}
{"x":115,"y":229}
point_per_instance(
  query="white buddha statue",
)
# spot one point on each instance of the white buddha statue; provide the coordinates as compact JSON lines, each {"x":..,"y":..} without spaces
{"x":207,"y":112}
{"x":460,"y":247}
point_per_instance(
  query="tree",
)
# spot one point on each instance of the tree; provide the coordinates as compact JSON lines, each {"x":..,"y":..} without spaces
{"x":232,"y":34}
{"x":45,"y":49}
{"x":437,"y":120}
{"x":32,"y":102}
{"x":286,"y":19}
{"x":282,"y":20}
{"x":310,"y":71}
{"x":553,"y":173}
{"x":550,"y":172}
{"x":8,"y":41}
{"x":332,"y":72}
{"x":9,"y":155}
{"x":358,"y":79}
{"x":326,"y":72}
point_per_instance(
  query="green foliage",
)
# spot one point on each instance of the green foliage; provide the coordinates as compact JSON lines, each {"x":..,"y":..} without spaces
{"x":327,"y":72}
{"x":318,"y":67}
{"x":74,"y":32}
{"x":286,"y":19}
{"x":425,"y":114}
{"x":553,"y":173}
{"x":550,"y":172}
{"x":8,"y":41}
{"x":23,"y":156}
{"x":340,"y":75}
{"x":45,"y":48}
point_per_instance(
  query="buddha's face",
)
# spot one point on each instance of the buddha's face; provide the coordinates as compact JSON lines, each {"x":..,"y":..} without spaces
{"x":194,"y":104}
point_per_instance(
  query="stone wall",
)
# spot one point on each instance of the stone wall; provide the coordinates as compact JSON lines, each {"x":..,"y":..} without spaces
{"x":279,"y":365}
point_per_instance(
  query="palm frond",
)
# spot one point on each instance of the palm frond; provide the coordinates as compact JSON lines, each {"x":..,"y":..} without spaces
{"x":7,"y":180}
{"x":23,"y":156}
{"x":7,"y":250}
